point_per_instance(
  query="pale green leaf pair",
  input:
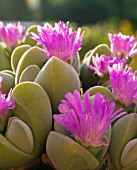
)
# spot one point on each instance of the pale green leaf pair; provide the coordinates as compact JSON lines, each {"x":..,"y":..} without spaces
{"x":123,"y":146}
{"x":28,"y":128}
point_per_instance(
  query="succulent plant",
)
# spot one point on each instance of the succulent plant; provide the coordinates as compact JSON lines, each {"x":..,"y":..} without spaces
{"x":25,"y":134}
{"x":82,"y":112}
{"x":90,"y":130}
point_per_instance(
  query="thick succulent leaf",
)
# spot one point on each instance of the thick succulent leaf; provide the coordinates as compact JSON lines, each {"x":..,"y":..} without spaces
{"x":8,"y":82}
{"x":17,"y":54}
{"x":124,"y":130}
{"x":129,"y":154}
{"x":8,"y":72}
{"x":101,"y":49}
{"x":60,"y":129}
{"x":20,"y":135}
{"x":133,"y":166}
{"x":76,"y":63}
{"x":103,"y":90}
{"x":28,"y":39}
{"x":106,"y":92}
{"x":29,"y":73}
{"x":33,"y":107}
{"x":87,"y":75}
{"x":10,"y":156}
{"x":66,"y":154}
{"x":4,"y":60}
{"x":57,"y":78}
{"x":33,"y":56}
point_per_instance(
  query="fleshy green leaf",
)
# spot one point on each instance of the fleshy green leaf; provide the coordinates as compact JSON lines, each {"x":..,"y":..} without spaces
{"x":103,"y":90}
{"x":8,"y":82}
{"x":29,"y":73}
{"x":28,"y":39}
{"x":86,"y":74}
{"x":4,"y":60}
{"x":33,"y":56}
{"x":57,"y":78}
{"x":129,"y":154}
{"x":33,"y":107}
{"x":66,"y":154}
{"x":60,"y":129}
{"x":20,"y":135}
{"x":10,"y":156}
{"x":17,"y":54}
{"x":124,"y":130}
{"x":8,"y":72}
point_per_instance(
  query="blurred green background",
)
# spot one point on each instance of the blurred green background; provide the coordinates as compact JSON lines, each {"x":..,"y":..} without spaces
{"x":96,"y":17}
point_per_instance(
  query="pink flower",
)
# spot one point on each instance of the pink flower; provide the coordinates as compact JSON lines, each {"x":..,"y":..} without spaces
{"x":11,"y":34}
{"x":124,"y":84}
{"x":123,"y":44}
{"x":59,"y":40}
{"x":5,"y":103}
{"x":87,"y":122}
{"x":102,"y":62}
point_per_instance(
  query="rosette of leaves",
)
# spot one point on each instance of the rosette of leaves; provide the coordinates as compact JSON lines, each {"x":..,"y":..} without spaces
{"x":23,"y":138}
{"x":56,"y":76}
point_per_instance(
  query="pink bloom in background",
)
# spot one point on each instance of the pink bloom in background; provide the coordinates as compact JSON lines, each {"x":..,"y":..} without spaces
{"x":124,"y":84}
{"x":87,"y":122}
{"x":101,"y":63}
{"x":59,"y":40}
{"x":11,"y":34}
{"x":124,"y":44}
{"x":5,"y":103}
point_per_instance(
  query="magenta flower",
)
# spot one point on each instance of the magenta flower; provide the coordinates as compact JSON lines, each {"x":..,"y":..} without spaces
{"x":5,"y":103}
{"x":124,"y":84}
{"x":102,"y":62}
{"x":87,"y":122}
{"x":123,"y":44}
{"x":11,"y":34}
{"x":59,"y":40}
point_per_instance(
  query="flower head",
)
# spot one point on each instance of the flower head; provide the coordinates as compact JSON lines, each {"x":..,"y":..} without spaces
{"x":124,"y":84}
{"x":5,"y":103}
{"x":11,"y":34}
{"x":123,"y":44}
{"x":102,"y":62}
{"x":59,"y":40}
{"x":87,"y":122}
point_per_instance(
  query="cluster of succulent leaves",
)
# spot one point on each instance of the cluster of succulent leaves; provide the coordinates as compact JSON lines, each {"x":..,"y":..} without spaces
{"x":39,"y":84}
{"x":122,"y":148}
